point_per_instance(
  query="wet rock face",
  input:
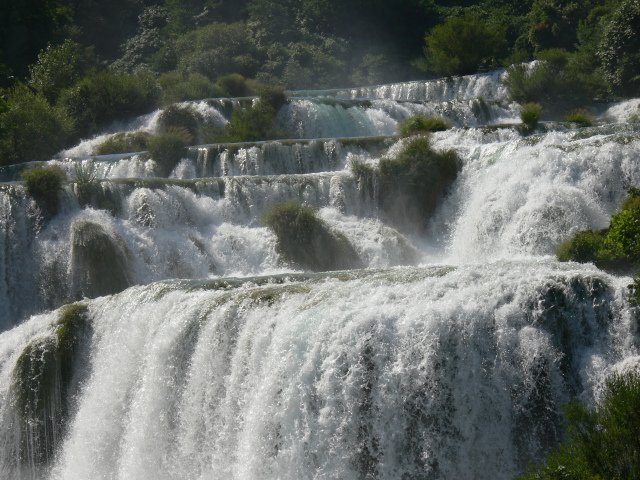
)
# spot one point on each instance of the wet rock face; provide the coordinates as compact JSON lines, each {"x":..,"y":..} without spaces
{"x":98,"y":261}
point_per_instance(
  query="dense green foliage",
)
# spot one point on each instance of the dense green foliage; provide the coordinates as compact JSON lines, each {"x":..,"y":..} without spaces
{"x":167,"y":149}
{"x":422,"y":124}
{"x":530,"y":115}
{"x":44,"y":185}
{"x":615,"y":248}
{"x":98,"y":100}
{"x":304,"y":240}
{"x":70,"y":68}
{"x":252,"y":124}
{"x":411,"y":184}
{"x":603,"y":442}
{"x":462,"y":45}
{"x":31,"y":129}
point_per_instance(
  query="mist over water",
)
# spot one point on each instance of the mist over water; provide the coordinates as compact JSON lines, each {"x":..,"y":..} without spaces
{"x":448,"y":356}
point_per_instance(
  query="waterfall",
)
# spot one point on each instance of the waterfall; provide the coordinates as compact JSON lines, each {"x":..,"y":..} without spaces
{"x":153,"y":330}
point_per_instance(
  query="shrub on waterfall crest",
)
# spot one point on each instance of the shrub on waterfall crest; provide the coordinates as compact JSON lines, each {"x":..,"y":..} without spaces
{"x":304,"y":240}
{"x":412,"y":183}
{"x":423,"y":124}
{"x":123,"y":142}
{"x":602,"y":442}
{"x":581,"y":116}
{"x":167,"y":149}
{"x":530,"y":115}
{"x":44,"y":185}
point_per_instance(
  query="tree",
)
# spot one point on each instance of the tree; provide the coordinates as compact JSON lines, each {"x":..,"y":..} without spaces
{"x":462,"y":45}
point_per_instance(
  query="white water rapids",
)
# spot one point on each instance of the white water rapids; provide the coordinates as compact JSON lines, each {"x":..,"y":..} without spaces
{"x":223,"y":362}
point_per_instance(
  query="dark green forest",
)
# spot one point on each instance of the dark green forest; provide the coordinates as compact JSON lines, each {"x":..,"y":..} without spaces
{"x":68,"y":68}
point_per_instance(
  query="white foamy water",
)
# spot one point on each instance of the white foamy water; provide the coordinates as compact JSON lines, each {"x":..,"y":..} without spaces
{"x":448,"y":356}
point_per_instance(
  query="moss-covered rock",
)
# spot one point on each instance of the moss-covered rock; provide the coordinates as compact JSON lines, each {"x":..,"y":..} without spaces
{"x":306,"y":241}
{"x":123,"y":142}
{"x":98,"y":260}
{"x":41,"y":383}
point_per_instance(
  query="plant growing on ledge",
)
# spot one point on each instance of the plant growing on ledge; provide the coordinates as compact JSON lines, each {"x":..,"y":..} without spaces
{"x":422,"y":124}
{"x":304,"y":240}
{"x":581,"y":116}
{"x":167,"y":149}
{"x":530,"y":115}
{"x":44,"y":184}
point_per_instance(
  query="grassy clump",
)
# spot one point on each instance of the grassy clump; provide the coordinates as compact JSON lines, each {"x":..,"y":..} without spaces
{"x":180,"y":117}
{"x":422,"y":124}
{"x":123,"y":142}
{"x":412,"y":183}
{"x":616,"y":248}
{"x":530,"y":115}
{"x":87,"y":183}
{"x":581,"y":116}
{"x":41,"y":380}
{"x":601,"y":443}
{"x":99,"y":261}
{"x":306,"y":241}
{"x":167,"y":149}
{"x":44,"y":185}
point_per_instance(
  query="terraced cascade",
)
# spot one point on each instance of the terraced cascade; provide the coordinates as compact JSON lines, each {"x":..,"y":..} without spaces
{"x":161,"y":328}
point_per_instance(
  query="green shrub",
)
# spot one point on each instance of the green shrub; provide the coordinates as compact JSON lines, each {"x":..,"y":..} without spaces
{"x":583,"y":247}
{"x":412,"y":183}
{"x":104,"y":97}
{"x":234,"y":85}
{"x":558,"y":80}
{"x":462,"y":45}
{"x":177,"y":117}
{"x":619,"y":49}
{"x":253,"y":124}
{"x":41,"y":380}
{"x":176,"y":89}
{"x":272,"y":95}
{"x":306,"y":241}
{"x":602,"y":443}
{"x":86,"y":181}
{"x":58,"y":67}
{"x":32,"y":129}
{"x":44,"y":185}
{"x":167,"y":149}
{"x":422,"y":124}
{"x":617,"y":248}
{"x":123,"y":142}
{"x":581,"y":116}
{"x":530,"y":115}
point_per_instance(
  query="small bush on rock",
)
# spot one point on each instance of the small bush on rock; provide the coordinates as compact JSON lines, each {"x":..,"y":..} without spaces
{"x":44,"y":185}
{"x":412,"y":183}
{"x":179,"y":117}
{"x":167,"y":150}
{"x":422,"y":124}
{"x":581,"y":116}
{"x":530,"y":115}
{"x":306,"y":241}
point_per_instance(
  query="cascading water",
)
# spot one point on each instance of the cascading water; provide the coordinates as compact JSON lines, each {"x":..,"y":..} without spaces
{"x":448,"y":356}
